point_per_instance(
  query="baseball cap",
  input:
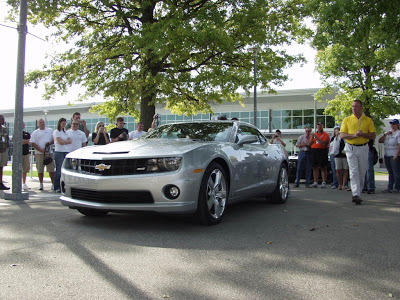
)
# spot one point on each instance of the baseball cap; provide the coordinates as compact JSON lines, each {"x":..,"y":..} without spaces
{"x":394,"y":121}
{"x":337,"y":126}
{"x":320,"y":123}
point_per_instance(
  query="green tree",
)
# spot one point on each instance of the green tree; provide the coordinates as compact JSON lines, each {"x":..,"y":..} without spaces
{"x":185,"y":54}
{"x":358,"y":51}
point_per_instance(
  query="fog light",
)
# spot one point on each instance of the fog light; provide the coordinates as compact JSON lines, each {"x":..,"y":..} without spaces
{"x":171,"y":191}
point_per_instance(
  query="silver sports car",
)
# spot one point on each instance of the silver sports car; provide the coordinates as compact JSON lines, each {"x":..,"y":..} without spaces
{"x":193,"y":167}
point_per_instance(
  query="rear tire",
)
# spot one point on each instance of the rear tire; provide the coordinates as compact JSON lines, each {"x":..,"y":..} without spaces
{"x":281,"y":192}
{"x":92,"y":212}
{"x":213,"y":195}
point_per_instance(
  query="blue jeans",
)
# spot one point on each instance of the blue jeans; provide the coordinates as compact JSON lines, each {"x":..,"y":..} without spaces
{"x":393,"y":167}
{"x":369,"y":182}
{"x":333,"y":167}
{"x":58,"y":159}
{"x":304,"y":160}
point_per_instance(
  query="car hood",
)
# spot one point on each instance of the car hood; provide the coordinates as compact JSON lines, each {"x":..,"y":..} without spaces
{"x":139,"y":148}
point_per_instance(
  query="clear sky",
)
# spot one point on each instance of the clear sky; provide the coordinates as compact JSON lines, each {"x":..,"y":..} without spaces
{"x":35,"y":57}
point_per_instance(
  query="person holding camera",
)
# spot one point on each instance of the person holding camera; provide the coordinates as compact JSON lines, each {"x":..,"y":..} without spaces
{"x":100,"y":135}
{"x":41,"y":139}
{"x":119,"y":133}
{"x":391,"y":143}
{"x":277,"y":139}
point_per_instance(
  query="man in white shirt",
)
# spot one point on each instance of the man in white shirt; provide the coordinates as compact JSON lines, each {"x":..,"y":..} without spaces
{"x":133,"y":135}
{"x":40,"y":139}
{"x":77,"y":137}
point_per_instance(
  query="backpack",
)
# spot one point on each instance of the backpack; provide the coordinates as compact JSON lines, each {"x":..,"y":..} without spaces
{"x":3,"y":139}
{"x":375,"y":155}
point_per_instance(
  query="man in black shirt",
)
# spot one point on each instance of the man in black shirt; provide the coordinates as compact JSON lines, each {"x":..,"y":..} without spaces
{"x":26,"y":166}
{"x":119,"y":133}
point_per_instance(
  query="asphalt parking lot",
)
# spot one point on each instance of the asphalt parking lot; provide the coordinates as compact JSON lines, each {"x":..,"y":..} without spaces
{"x":318,"y":245}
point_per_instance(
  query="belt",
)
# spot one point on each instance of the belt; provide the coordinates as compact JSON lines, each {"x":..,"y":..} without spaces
{"x":358,"y":145}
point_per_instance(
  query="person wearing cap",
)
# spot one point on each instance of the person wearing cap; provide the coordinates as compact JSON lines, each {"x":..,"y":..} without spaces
{"x":119,"y":133}
{"x":304,"y":158}
{"x":391,"y":143}
{"x":319,"y":144}
{"x":357,"y":130}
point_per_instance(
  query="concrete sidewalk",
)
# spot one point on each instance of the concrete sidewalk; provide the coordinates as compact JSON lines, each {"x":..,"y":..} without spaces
{"x":34,"y":193}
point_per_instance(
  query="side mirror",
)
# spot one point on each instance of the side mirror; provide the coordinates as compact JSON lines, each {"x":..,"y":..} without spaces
{"x":247,"y":139}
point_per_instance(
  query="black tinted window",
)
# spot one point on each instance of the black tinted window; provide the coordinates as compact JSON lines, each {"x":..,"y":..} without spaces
{"x":212,"y":131}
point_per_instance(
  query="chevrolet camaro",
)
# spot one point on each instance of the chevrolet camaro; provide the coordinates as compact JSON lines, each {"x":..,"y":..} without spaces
{"x":191,"y":167}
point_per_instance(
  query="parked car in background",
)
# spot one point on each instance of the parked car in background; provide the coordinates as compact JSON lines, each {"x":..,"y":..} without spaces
{"x":293,"y":169}
{"x":191,"y":167}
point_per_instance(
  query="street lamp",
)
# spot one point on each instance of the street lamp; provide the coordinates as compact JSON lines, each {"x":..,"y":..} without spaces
{"x":254,"y":50}
{"x":45,"y":115}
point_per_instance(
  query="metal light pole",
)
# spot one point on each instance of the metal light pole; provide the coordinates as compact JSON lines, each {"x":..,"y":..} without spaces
{"x":254,"y":50}
{"x":18,"y":113}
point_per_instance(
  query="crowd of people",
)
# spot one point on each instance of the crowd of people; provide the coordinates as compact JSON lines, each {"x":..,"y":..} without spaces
{"x":352,"y":155}
{"x":52,"y":146}
{"x":350,"y":148}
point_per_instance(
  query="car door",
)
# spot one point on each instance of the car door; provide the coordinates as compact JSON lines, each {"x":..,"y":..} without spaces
{"x":254,"y":163}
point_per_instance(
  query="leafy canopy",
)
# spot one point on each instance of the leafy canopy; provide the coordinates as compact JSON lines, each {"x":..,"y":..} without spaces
{"x":358,"y":51}
{"x":184,"y":54}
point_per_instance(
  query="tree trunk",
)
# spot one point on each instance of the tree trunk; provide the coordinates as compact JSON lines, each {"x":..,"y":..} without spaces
{"x":147,"y":112}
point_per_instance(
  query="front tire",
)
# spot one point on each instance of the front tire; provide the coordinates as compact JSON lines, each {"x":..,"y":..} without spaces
{"x":213,"y":195}
{"x":92,"y":212}
{"x":281,"y":192}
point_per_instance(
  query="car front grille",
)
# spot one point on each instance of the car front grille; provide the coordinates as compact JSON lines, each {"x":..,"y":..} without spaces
{"x":114,"y":197}
{"x":116,"y":167}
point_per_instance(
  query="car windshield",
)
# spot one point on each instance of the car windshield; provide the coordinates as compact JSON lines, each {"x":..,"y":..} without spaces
{"x":194,"y":131}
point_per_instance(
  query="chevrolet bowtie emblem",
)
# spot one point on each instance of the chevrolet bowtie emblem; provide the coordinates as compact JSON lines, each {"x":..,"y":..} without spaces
{"x":102,"y":167}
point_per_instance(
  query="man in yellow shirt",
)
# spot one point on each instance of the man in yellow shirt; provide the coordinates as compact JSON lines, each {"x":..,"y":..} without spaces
{"x":357,"y":130}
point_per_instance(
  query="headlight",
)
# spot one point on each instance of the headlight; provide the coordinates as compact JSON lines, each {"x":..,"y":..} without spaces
{"x":163,"y":164}
{"x":75,"y":163}
{"x":72,"y":164}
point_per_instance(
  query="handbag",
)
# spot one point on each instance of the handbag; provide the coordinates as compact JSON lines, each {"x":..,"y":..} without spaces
{"x":47,"y":158}
{"x":334,"y":147}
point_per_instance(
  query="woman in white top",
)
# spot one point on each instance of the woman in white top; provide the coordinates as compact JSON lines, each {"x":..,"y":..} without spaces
{"x":391,"y":142}
{"x":61,"y":142}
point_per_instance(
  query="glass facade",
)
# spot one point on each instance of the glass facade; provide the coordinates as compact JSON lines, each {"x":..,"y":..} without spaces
{"x":299,"y":119}
{"x":280,"y":119}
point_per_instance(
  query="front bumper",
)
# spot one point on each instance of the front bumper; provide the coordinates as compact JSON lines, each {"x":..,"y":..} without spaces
{"x":149,"y":184}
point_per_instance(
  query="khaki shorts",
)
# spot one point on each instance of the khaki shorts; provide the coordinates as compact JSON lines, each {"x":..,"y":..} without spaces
{"x":26,"y":164}
{"x":40,"y":166}
{"x":341,"y":163}
{"x":4,"y":158}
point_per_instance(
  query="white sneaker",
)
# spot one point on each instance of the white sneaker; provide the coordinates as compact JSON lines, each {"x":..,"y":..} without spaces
{"x":314,"y":185}
{"x":41,"y":187}
{"x":25,"y":187}
{"x":323,"y":185}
